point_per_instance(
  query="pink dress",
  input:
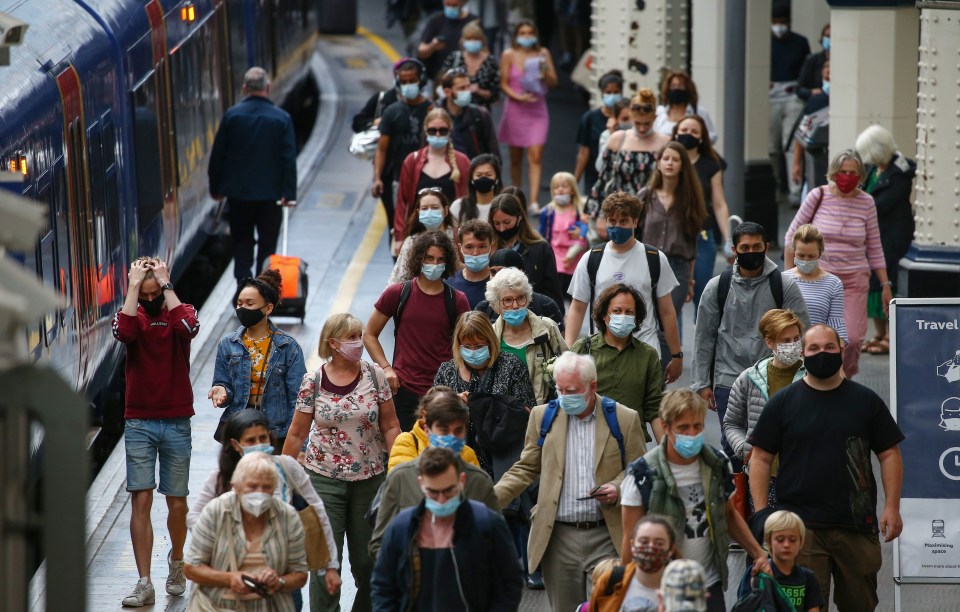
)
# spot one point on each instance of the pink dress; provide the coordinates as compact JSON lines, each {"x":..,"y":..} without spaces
{"x":524,"y":124}
{"x":561,"y":242}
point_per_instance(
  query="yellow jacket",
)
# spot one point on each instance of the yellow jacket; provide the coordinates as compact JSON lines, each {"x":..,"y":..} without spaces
{"x":410,"y":444}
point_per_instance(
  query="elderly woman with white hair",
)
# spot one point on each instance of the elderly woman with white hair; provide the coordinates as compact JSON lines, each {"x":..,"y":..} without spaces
{"x":847,"y":218}
{"x":889,"y":180}
{"x":535,"y":340}
{"x":247,"y":550}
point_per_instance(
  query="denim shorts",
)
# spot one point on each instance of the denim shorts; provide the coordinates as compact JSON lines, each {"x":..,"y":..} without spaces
{"x":145,"y":439}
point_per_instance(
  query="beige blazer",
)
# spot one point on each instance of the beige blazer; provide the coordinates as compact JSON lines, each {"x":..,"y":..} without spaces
{"x":548,"y":463}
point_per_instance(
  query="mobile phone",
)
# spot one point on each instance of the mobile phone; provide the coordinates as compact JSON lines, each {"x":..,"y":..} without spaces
{"x":591,"y":494}
{"x":255,"y":585}
{"x":441,"y":38}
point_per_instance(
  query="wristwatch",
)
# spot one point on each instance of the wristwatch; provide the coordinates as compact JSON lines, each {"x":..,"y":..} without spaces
{"x":282,"y":582}
{"x":166,"y":286}
{"x":678,"y":355}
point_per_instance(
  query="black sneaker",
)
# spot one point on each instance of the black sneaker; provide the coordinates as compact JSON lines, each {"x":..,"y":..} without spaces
{"x":535,"y":581}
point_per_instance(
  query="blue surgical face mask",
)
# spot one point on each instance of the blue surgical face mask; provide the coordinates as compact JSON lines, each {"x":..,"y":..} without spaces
{"x":431,"y":219}
{"x":473,"y":46}
{"x":445,"y":509}
{"x":573,"y":403}
{"x":688,"y":446}
{"x":433,"y":272}
{"x":451,"y":12}
{"x":476,"y":263}
{"x":527,"y":42}
{"x":609,"y":99}
{"x":621,"y":326}
{"x":410,"y":91}
{"x":826,"y":87}
{"x":478,"y":358}
{"x":515,"y":318}
{"x":825,"y":43}
{"x":438,"y":142}
{"x":448,"y":441}
{"x":463,"y":98}
{"x":619,"y":235}
{"x":258,"y":448}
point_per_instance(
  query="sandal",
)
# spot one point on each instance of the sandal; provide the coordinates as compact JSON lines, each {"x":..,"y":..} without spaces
{"x":866,"y":345}
{"x":879,"y":347}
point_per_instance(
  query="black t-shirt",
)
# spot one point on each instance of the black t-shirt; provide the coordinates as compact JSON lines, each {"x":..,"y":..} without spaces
{"x":592,"y":124}
{"x":403,"y":123}
{"x":706,"y":168}
{"x":800,"y":586}
{"x":824,"y":439}
{"x":787,"y":55}
{"x":451,"y":30}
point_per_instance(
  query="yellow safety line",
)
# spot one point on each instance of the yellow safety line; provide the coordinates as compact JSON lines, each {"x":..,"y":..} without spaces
{"x":378,"y":224}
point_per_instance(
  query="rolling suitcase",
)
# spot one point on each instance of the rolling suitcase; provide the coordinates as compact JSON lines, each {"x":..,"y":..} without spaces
{"x":293,"y":270}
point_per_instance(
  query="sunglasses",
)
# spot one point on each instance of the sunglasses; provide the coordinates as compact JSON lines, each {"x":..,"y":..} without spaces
{"x":642,"y":108}
{"x":454,"y":72}
{"x":429,"y":190}
{"x":438,"y":131}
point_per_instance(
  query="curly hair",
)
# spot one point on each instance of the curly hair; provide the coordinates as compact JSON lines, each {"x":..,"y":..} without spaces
{"x":688,"y":84}
{"x":422,"y":244}
{"x":688,"y":195}
{"x":602,"y":305}
{"x":621,"y":202}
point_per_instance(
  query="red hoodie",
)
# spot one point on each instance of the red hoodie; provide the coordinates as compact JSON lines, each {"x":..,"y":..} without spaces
{"x":158,"y":361}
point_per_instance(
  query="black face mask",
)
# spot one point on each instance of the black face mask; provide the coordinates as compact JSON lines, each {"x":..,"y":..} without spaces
{"x":751,"y":261}
{"x":508,"y":234}
{"x":823,"y":365}
{"x":484,"y":184}
{"x":249,"y":316}
{"x":689,"y":141}
{"x":678,"y":96}
{"x":154,"y":306}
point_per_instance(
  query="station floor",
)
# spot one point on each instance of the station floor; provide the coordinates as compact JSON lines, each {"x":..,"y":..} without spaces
{"x":340,"y":231}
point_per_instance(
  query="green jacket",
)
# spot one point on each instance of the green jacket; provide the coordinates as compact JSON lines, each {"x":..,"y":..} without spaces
{"x":547,"y":343}
{"x":658,"y":491}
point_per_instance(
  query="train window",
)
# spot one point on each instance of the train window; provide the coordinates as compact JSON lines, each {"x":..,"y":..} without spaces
{"x":109,"y":147}
{"x":111,"y":196}
{"x":62,"y":230}
{"x":146,"y":146}
{"x":98,"y":201}
{"x":48,"y":268}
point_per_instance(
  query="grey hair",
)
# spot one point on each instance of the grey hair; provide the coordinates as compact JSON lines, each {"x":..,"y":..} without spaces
{"x":255,"y":464}
{"x":572,"y":363}
{"x":256,"y":80}
{"x":507,"y":279}
{"x":876,"y":145}
{"x":841,"y":157}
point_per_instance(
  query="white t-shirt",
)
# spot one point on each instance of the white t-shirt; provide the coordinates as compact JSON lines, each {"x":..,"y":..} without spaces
{"x":694,"y":542}
{"x":630,"y":268}
{"x":483,"y":210}
{"x":639,"y":598}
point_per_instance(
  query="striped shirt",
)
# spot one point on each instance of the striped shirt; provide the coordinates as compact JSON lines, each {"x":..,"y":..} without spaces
{"x":220,"y":524}
{"x":851,"y":235}
{"x":578,"y":476}
{"x":824,"y":298}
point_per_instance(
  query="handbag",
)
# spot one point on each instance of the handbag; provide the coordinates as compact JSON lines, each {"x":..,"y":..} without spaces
{"x":741,"y":493}
{"x":314,"y":541}
{"x":364,"y":144}
{"x":199,"y":601}
{"x":222,"y":425}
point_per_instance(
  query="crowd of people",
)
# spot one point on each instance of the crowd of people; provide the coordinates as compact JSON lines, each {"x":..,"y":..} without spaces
{"x":521,"y":434}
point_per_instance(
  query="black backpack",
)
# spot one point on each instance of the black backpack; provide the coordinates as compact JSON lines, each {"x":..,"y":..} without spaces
{"x":653,"y":263}
{"x":449,"y":302}
{"x":726,"y":277}
{"x":765,"y":596}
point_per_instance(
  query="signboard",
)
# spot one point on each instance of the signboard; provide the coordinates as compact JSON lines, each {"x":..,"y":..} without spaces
{"x":925,"y":398}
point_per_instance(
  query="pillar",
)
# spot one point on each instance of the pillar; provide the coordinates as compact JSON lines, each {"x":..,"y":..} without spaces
{"x":707,"y":65}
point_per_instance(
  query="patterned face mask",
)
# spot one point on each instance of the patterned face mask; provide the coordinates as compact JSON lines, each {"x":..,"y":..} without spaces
{"x":649,"y":558}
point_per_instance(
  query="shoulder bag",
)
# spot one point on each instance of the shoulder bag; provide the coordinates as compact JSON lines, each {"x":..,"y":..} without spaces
{"x":318,"y":553}
{"x":364,"y":144}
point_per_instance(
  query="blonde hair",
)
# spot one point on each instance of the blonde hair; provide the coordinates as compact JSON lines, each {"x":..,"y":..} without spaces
{"x":678,"y":402}
{"x":603,"y":567}
{"x":254,"y":464}
{"x":149,"y":260}
{"x":475,"y":324}
{"x":337,"y":326}
{"x":575,"y":198}
{"x":775,"y":321}
{"x":781,"y":520}
{"x":806,"y":234}
{"x":474,"y":30}
{"x":439,"y":113}
{"x":644,"y":96}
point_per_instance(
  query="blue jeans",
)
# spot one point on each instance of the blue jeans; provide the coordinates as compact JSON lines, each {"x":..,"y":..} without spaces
{"x":168,"y":439}
{"x":703,"y":268}
{"x":722,"y":396}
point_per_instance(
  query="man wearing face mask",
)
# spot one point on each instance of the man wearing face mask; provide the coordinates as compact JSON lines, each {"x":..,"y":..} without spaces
{"x":475,"y":239}
{"x":824,"y":429}
{"x":156,"y":329}
{"x":473,"y":132}
{"x":788,"y":50}
{"x":579,"y":446}
{"x":441,"y":33}
{"x":446,"y":553}
{"x":690,"y":483}
{"x":728,"y":339}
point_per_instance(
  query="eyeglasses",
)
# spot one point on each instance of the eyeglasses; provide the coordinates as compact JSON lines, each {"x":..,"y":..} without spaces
{"x":429,"y":190}
{"x":519,"y":301}
{"x":438,"y":131}
{"x":642,"y":108}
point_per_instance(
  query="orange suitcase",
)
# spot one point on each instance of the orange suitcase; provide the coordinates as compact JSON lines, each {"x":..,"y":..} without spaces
{"x":293,"y":270}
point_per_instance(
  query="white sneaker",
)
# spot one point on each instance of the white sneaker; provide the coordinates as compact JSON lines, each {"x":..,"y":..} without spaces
{"x":176,"y":581}
{"x":143,"y":595}
{"x":533,"y":209}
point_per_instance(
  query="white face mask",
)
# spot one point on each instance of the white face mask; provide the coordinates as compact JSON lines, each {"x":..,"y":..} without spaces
{"x":807,"y":267}
{"x":779,"y":29}
{"x":255,"y":503}
{"x":562,"y":199}
{"x":789,"y":353}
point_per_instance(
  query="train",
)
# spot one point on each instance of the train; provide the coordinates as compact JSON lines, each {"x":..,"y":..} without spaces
{"x":108,"y":111}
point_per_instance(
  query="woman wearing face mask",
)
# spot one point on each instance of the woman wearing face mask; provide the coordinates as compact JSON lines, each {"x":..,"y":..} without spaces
{"x":430,"y":211}
{"x":678,"y":98}
{"x":526,"y":71}
{"x":532,"y":338}
{"x":258,"y":365}
{"x":593,"y":123}
{"x":653,"y":547}
{"x":513,"y":231}
{"x":485,"y":184}
{"x":480,"y":65}
{"x":822,"y":291}
{"x":564,"y":225}
{"x":781,"y":330}
{"x":268,"y":534}
{"x":847,"y":219}
{"x":631,"y":155}
{"x":346,"y":418}
{"x":248,"y":431}
{"x":620,"y":120}
{"x":437,"y":165}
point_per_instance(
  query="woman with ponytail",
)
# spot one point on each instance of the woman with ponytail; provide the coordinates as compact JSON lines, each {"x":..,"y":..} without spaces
{"x":436,"y":165}
{"x":258,"y":365}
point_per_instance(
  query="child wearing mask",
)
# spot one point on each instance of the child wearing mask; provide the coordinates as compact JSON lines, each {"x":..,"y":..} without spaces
{"x":563,"y":225}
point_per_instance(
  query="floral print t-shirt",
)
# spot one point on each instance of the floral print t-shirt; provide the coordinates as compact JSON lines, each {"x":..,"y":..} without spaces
{"x":345,"y":442}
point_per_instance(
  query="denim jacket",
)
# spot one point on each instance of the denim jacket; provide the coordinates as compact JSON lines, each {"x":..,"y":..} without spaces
{"x":285,"y":370}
